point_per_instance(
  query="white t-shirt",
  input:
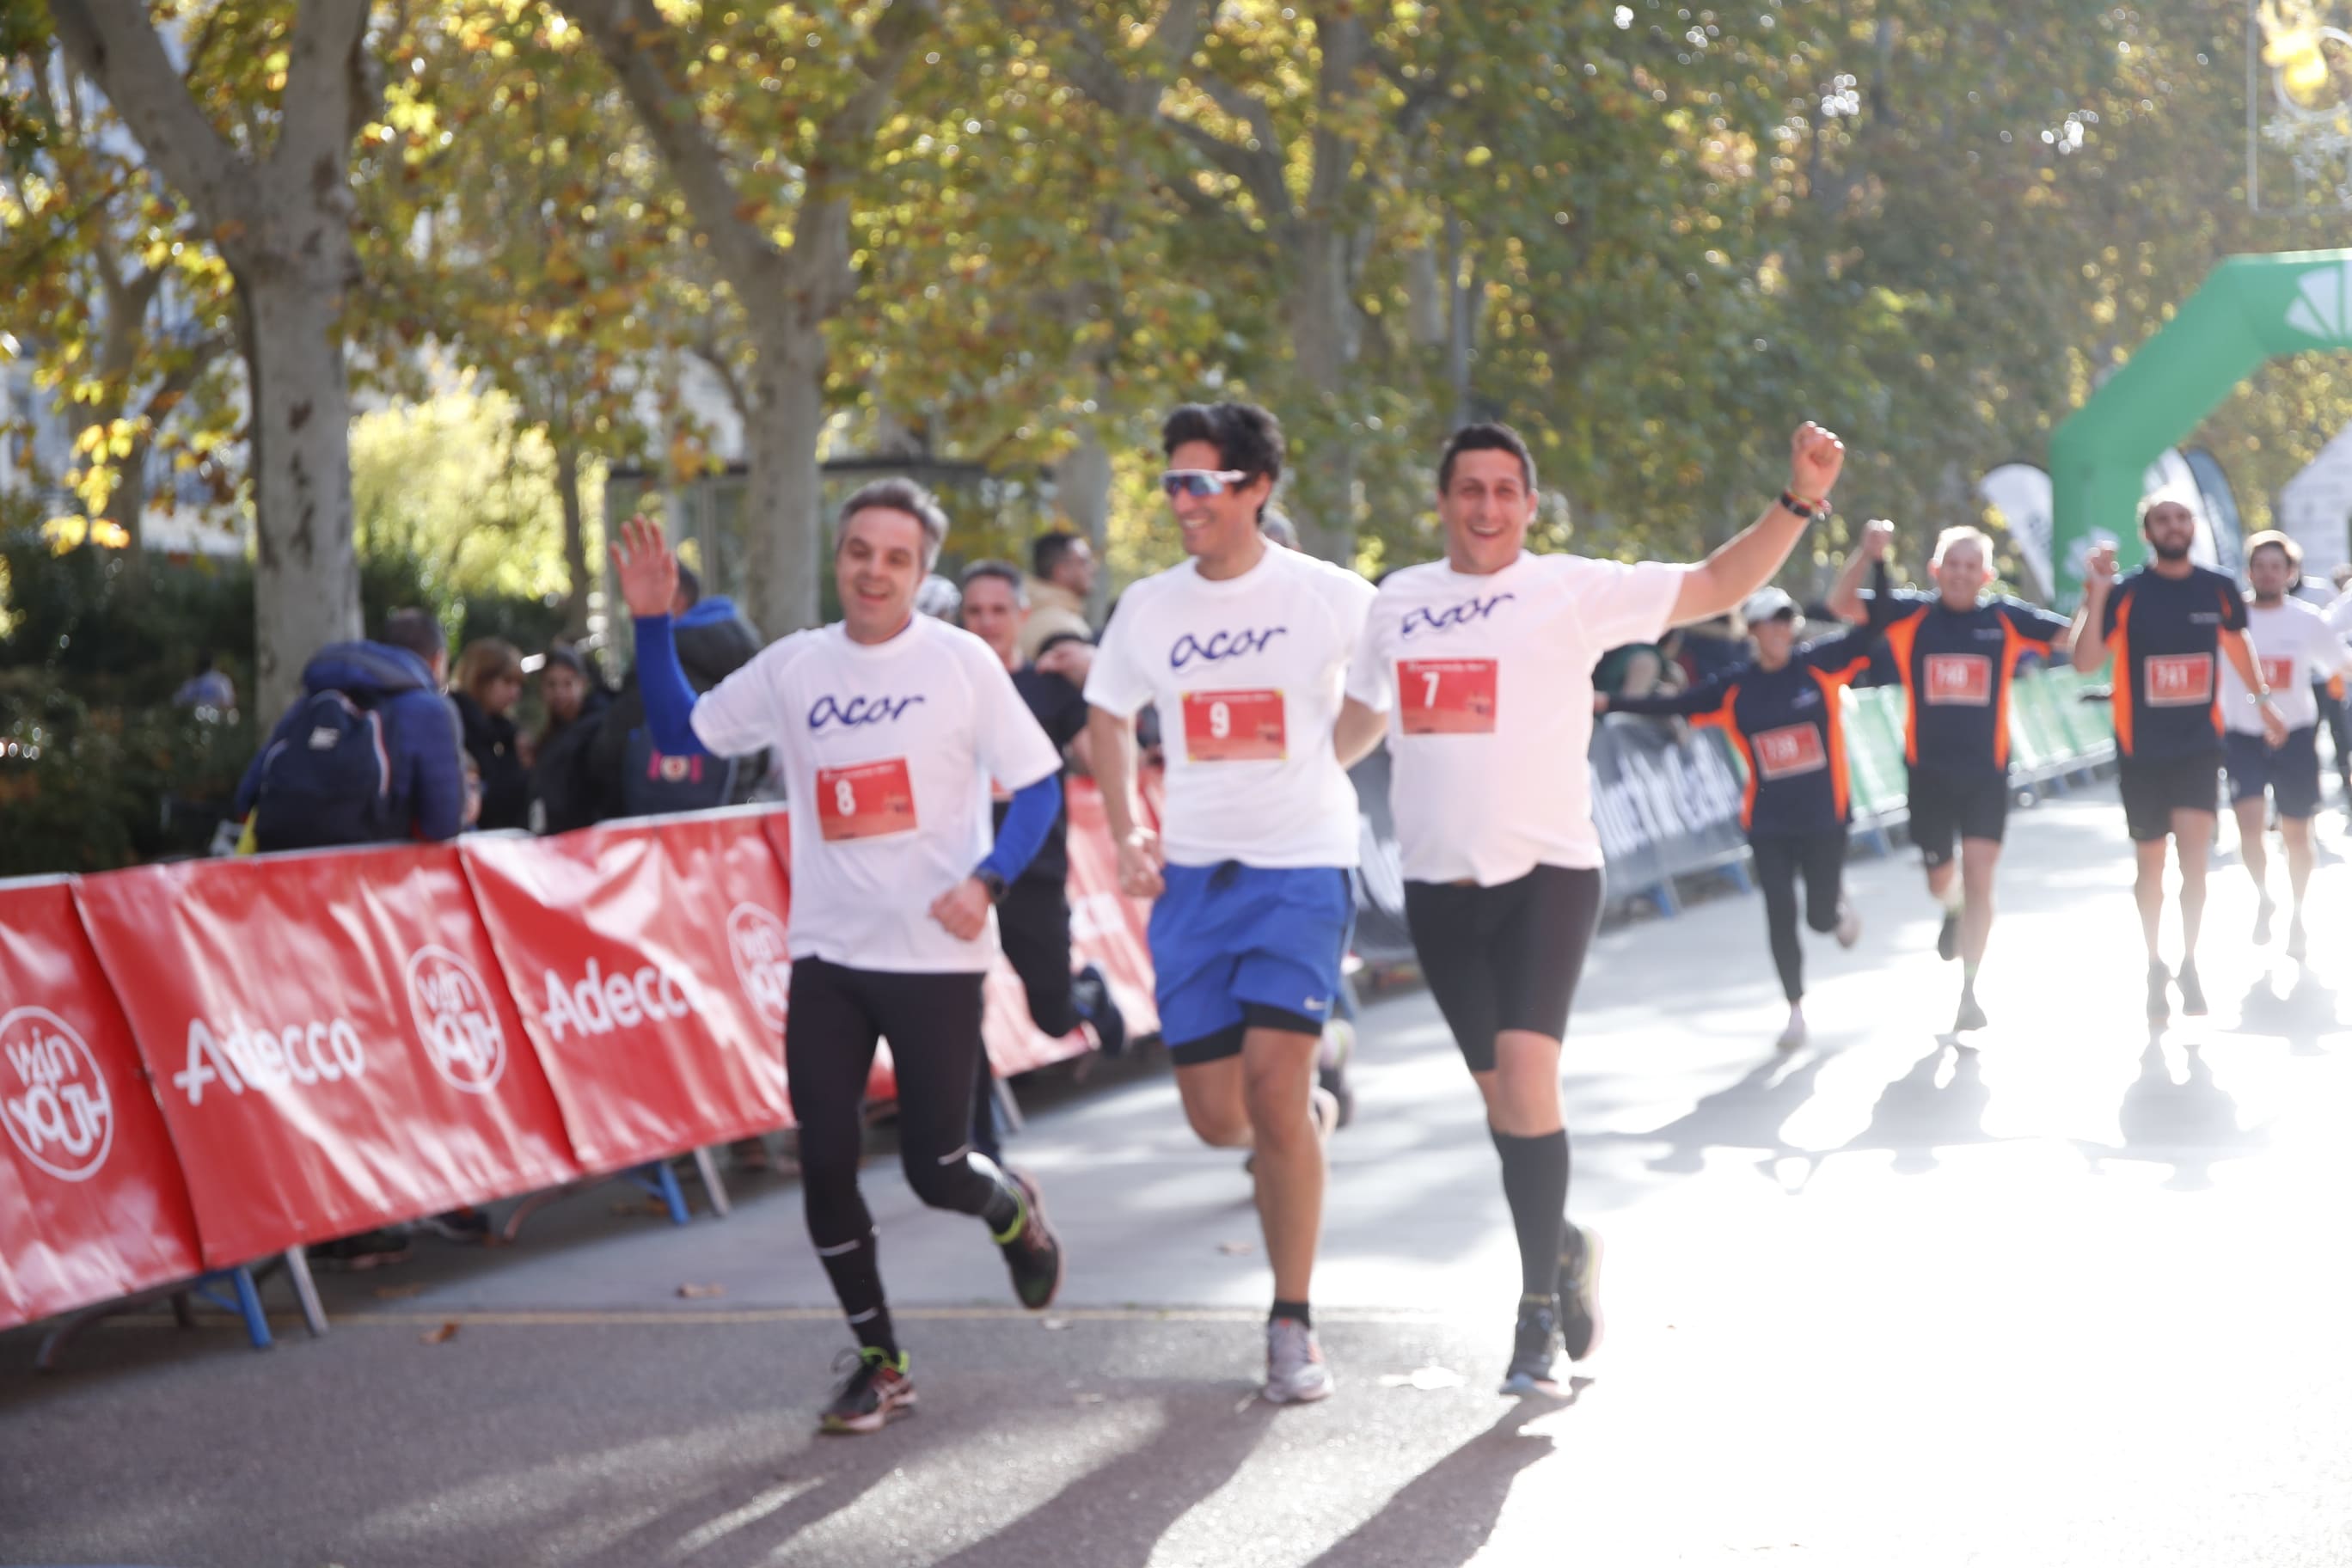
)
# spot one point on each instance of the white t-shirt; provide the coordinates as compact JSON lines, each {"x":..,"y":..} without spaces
{"x":1488,"y":682}
{"x":887,"y":752}
{"x":2297,"y":648}
{"x":1248,"y":676}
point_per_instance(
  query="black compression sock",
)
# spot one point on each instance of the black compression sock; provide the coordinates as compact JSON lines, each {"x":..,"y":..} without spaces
{"x":1535,"y":1183}
{"x":1006,"y":1206}
{"x":1294,"y":1310}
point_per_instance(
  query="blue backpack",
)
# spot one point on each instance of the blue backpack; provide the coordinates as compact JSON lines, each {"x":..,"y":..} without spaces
{"x":653,"y":783}
{"x":329,"y":781}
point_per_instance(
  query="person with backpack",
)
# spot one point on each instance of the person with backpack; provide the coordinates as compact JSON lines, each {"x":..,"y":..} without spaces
{"x":714,"y":641}
{"x":369,"y":753}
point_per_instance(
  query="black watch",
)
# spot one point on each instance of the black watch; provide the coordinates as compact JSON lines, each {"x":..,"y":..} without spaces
{"x":992,"y":882}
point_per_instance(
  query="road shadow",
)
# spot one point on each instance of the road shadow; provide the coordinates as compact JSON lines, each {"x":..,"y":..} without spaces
{"x":1746,"y":1115}
{"x":1926,"y":1110}
{"x":2181,"y":1117}
{"x":2300,"y":1015}
{"x":1443,"y":1516}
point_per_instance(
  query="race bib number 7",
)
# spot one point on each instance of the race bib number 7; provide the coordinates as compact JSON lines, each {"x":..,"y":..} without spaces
{"x":2179,"y":680}
{"x":870,"y":800}
{"x":1445,"y":696}
{"x":1235,"y":727}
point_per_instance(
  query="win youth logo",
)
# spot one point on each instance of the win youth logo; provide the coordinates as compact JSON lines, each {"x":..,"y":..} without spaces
{"x":857,"y":712}
{"x":1453,"y":616}
{"x":755,"y":939}
{"x":456,"y":1020}
{"x":53,"y":1099}
{"x":1222,"y":645}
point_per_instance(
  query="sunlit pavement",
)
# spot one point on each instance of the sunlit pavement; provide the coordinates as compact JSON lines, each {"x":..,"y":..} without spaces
{"x":2074,"y":1297}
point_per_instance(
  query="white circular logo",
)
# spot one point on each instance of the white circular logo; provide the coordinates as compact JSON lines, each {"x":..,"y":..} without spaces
{"x":456,"y":1020}
{"x":53,"y":1098}
{"x":763,"y":961}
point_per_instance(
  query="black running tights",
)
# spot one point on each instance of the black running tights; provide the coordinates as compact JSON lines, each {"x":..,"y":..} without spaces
{"x":1780,"y":860}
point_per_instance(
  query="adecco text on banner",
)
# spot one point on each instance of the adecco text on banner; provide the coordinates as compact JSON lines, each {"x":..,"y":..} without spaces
{"x":53,"y":1098}
{"x":456,"y":1020}
{"x":756,"y":941}
{"x":305,"y":1054}
{"x":603,"y":1003}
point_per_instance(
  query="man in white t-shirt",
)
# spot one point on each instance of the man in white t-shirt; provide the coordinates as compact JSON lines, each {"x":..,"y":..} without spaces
{"x":2295,"y":647}
{"x":1478,"y":671}
{"x":890,"y":727}
{"x":1243,"y":651}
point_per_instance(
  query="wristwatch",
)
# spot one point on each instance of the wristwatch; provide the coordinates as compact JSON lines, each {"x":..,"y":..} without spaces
{"x":992,"y":882}
{"x":1790,"y":502}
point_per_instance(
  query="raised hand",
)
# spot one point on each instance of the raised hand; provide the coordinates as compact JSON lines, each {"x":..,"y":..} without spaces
{"x":1878,"y":539}
{"x":644,"y":568}
{"x":2099,"y":566}
{"x":1816,"y":458}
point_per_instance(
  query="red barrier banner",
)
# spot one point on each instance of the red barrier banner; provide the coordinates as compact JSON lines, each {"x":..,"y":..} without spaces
{"x":92,"y":1204}
{"x":648,"y":960}
{"x":331,"y":1041}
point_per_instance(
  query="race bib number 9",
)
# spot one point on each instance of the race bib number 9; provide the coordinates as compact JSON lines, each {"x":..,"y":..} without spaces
{"x":1445,"y":696}
{"x":871,"y":800}
{"x":1235,"y":727}
{"x":2179,"y":680}
{"x":2278,"y":673}
{"x":1961,"y":680}
{"x":1788,"y":751}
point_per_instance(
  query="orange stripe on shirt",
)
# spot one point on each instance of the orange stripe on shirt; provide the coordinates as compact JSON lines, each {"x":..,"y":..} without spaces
{"x":1902,"y":640}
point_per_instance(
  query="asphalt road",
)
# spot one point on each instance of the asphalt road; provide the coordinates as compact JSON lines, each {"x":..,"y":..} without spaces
{"x":2073,"y":1298}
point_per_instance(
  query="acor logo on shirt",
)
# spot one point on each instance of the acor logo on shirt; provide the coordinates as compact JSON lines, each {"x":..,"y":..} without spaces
{"x":857,"y":710}
{"x":1452,"y":616}
{"x":1221,"y":646}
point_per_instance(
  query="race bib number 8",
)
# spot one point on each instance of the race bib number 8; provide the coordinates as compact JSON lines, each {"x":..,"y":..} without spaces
{"x":2278,"y":673}
{"x":871,"y":800}
{"x":1235,"y":727}
{"x":1960,"y":679}
{"x":1445,"y":696}
{"x":2179,"y":680}
{"x":1789,"y":750}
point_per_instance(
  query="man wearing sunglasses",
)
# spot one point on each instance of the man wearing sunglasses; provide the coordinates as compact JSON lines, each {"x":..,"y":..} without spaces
{"x":1243,"y":651}
{"x":1478,"y":671}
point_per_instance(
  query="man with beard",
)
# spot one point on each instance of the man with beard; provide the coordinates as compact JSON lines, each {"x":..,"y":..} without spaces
{"x":2167,"y":624}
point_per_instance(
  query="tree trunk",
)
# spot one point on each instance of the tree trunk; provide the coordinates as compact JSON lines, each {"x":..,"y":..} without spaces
{"x":1323,"y":350}
{"x":576,"y":577}
{"x":783,"y":532}
{"x":1082,"y":490}
{"x":306,"y":588}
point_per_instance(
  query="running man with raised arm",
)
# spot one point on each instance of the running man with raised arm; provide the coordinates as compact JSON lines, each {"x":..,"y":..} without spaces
{"x":891,"y":726}
{"x":1478,"y":669}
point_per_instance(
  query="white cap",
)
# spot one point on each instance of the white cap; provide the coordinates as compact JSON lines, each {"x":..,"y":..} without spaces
{"x":1765,"y":603}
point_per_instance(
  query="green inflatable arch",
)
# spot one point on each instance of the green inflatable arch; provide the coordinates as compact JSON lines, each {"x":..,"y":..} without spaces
{"x":2252,"y":309}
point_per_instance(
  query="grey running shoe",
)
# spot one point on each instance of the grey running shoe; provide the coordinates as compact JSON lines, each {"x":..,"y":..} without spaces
{"x":2263,"y":913}
{"x":1535,"y":1351}
{"x":1032,"y":1252}
{"x":2192,"y":994}
{"x":2296,"y":944}
{"x":1971,"y":1017}
{"x":1295,"y":1373}
{"x":876,"y":1391}
{"x":1947,"y":939}
{"x":1580,"y":1292}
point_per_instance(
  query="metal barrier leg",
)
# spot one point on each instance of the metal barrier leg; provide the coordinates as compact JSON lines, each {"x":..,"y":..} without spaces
{"x":662,"y":1182}
{"x":249,"y":1307}
{"x":707,"y":1169}
{"x":306,"y":1291}
{"x":1737,"y":871}
{"x":1663,"y":895}
{"x":1007,"y":1108}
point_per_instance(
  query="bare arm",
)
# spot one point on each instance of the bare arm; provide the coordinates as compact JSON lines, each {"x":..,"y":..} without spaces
{"x":2085,"y":645}
{"x":1737,"y":569}
{"x":1845,"y":599}
{"x":1358,"y":730}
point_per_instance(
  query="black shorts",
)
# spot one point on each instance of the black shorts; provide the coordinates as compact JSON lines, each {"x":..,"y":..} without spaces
{"x":2291,"y":773}
{"x":1504,"y":957}
{"x":2156,"y":788}
{"x":1947,"y":806}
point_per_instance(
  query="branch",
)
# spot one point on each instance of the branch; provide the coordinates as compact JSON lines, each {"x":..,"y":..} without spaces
{"x":112,"y":43}
{"x":323,"y":90}
{"x":818,"y":262}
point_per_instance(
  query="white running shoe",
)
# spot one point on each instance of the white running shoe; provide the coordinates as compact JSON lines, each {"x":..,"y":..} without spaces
{"x":1794,"y":1034}
{"x":1849,"y":926}
{"x":1295,"y":1373}
{"x":2263,"y":913}
{"x":1324,"y":1106}
{"x":2295,"y":944}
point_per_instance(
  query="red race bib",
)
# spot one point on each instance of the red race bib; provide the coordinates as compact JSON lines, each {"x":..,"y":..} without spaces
{"x":1792,"y":750}
{"x":2179,"y":680}
{"x":2278,"y":673}
{"x":869,"y":800}
{"x":1235,"y":727}
{"x":1446,"y":696}
{"x":1964,"y":680}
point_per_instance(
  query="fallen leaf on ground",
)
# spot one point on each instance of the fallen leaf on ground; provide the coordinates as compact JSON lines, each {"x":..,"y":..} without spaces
{"x":397,"y":1292}
{"x":1057,"y":1323}
{"x":442,"y":1335}
{"x":697,"y":1293}
{"x":1236,"y":1248}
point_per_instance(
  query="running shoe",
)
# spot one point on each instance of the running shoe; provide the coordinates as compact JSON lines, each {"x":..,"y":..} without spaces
{"x":1535,"y":1351}
{"x":1031,"y":1250}
{"x":2160,"y":996}
{"x":1971,"y":1017}
{"x":1793,"y":1034}
{"x":2263,"y":913}
{"x":2295,"y":944}
{"x":1579,"y":1291}
{"x":876,"y":1391}
{"x":1947,"y":939}
{"x":1849,"y":926}
{"x":1090,"y":996}
{"x":1338,"y":1049}
{"x":1295,"y":1373}
{"x":2192,"y":994}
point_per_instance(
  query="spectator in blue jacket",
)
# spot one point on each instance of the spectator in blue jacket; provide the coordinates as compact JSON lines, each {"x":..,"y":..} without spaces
{"x":369,"y":752}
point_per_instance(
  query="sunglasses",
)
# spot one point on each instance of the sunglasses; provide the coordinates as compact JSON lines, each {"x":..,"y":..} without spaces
{"x":1200,"y":481}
